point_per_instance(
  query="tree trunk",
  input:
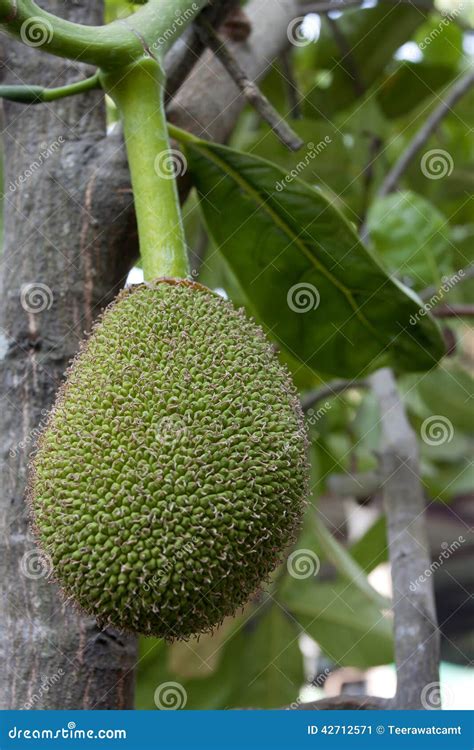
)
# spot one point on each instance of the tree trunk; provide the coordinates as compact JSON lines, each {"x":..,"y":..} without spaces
{"x":64,"y":258}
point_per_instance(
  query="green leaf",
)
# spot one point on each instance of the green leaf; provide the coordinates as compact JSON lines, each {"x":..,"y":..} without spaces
{"x":371,"y":549}
{"x":445,"y":481}
{"x":440,"y":39}
{"x":260,"y":666}
{"x":410,"y":84}
{"x":372,"y":35}
{"x":304,"y":271}
{"x":345,"y":564}
{"x":411,"y":237}
{"x":347,"y":625}
{"x":448,"y":391}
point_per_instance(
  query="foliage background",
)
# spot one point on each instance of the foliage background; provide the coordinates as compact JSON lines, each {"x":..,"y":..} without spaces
{"x":420,"y":234}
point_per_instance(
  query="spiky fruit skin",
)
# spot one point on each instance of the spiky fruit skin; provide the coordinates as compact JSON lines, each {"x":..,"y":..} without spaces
{"x":172,"y":471}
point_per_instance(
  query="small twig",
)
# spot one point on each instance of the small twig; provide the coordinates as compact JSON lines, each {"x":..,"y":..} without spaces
{"x":453,"y":95}
{"x":351,"y":67}
{"x":416,"y":632}
{"x":249,"y":89}
{"x":463,"y":275}
{"x":453,"y":311}
{"x":188,"y":48}
{"x":330,"y":390}
{"x":359,"y":486}
{"x":294,"y":94}
{"x":40,"y":94}
{"x":375,"y":146}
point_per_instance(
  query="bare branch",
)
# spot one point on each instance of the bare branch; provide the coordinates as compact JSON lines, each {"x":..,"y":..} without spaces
{"x":351,"y":67}
{"x":453,"y":311}
{"x":189,"y":47}
{"x":416,"y":632}
{"x":452,"y":96}
{"x":359,"y":486}
{"x":293,"y":92}
{"x":249,"y":88}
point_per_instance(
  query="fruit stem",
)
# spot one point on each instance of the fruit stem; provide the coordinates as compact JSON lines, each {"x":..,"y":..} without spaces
{"x":137,"y":91}
{"x":37,"y":94}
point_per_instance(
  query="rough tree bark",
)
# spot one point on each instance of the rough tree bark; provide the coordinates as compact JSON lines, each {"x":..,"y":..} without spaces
{"x":415,"y":627}
{"x":65,"y":230}
{"x":69,"y":240}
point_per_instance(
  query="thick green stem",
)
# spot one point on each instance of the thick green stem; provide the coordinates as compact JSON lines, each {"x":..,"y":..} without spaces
{"x":152,"y":30}
{"x":138,"y":93}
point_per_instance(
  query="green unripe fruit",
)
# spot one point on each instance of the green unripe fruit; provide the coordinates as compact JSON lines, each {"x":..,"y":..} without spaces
{"x":172,"y":472}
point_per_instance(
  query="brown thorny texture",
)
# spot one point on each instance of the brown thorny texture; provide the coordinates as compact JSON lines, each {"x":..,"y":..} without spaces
{"x":172,"y":473}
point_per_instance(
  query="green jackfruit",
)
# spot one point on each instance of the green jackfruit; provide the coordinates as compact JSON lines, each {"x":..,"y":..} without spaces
{"x":172,"y":472}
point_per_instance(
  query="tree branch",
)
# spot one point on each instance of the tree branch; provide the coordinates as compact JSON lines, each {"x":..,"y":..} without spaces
{"x":187,"y":50}
{"x":249,"y":88}
{"x":416,"y":632}
{"x":65,"y":236}
{"x":453,"y":311}
{"x":451,"y":97}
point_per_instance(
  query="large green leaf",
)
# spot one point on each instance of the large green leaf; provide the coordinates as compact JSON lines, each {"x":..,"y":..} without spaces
{"x":347,"y":625}
{"x":410,"y":84}
{"x":372,"y":548}
{"x":260,"y":665}
{"x":372,"y":35}
{"x":448,"y":390}
{"x":305,"y":272}
{"x":411,"y":237}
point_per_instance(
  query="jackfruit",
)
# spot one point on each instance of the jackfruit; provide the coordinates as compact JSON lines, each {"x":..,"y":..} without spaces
{"x":172,"y":471}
